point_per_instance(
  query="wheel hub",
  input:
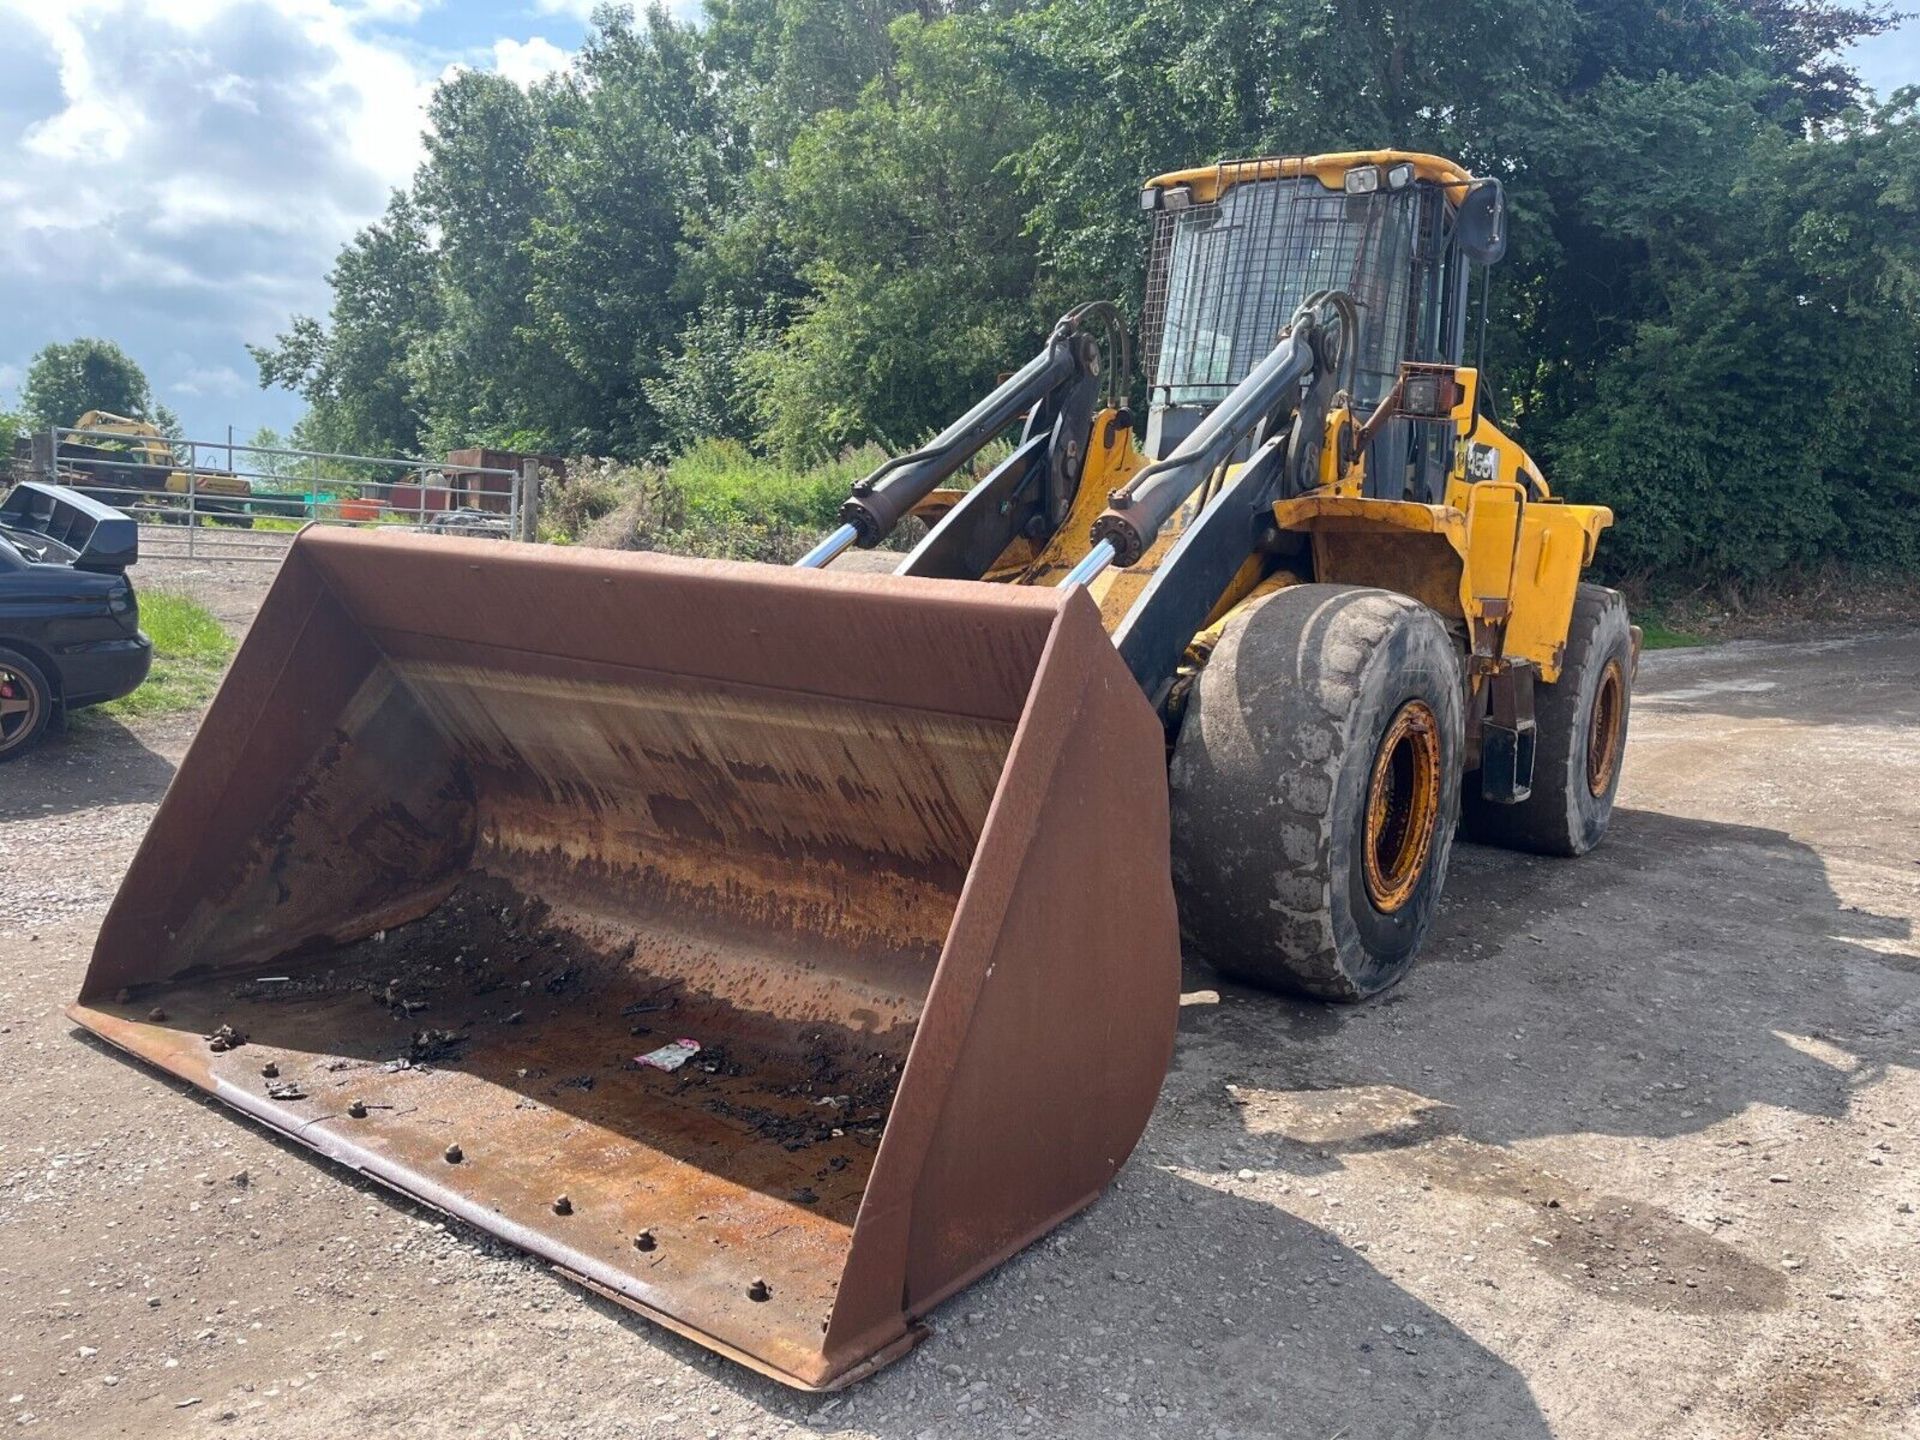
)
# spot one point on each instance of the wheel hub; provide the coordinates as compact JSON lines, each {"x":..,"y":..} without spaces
{"x":19,"y":706}
{"x":1403,"y":806}
{"x":1603,"y":731}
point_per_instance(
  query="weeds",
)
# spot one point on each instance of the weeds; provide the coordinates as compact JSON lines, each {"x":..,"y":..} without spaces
{"x":190,"y":650}
{"x":718,"y":500}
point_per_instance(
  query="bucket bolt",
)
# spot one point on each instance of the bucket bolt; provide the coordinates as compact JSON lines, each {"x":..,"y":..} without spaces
{"x":645,"y":1241}
{"x":455,"y":1155}
{"x":562,"y":1205}
{"x":759,"y":1290}
{"x":270,"y":1071}
{"x":358,"y":1110}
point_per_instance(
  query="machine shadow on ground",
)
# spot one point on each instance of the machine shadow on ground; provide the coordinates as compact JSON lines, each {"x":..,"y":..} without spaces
{"x":1224,"y":1311}
{"x":95,"y":761}
{"x":1682,"y":974}
{"x":1173,"y":1318}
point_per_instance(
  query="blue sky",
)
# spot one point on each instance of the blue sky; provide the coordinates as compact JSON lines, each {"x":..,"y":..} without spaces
{"x":178,"y":174}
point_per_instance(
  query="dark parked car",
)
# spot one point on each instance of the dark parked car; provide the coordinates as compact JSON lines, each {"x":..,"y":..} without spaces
{"x":69,"y":623}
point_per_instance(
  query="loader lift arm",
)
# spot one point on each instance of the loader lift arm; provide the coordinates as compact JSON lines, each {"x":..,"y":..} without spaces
{"x":1028,"y":493}
{"x":1280,"y":408}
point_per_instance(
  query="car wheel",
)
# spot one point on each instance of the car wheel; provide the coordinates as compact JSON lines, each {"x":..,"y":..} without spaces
{"x":26,"y":704}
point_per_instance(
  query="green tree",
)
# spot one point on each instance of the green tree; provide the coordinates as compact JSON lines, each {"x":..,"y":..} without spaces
{"x":354,"y":373}
{"x":267,"y":458}
{"x":488,"y":367}
{"x":1766,"y":413}
{"x":811,"y":223}
{"x":709,"y":384}
{"x":925,"y":282}
{"x":637,"y":157}
{"x":66,"y":381}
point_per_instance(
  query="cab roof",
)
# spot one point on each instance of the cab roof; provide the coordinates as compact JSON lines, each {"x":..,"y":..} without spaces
{"x":1210,"y":182}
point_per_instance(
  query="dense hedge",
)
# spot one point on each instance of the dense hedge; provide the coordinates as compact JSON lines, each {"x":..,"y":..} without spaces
{"x":803,"y":225}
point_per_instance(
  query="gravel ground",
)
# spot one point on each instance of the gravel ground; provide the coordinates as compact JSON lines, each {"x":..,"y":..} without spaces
{"x":231,"y":590}
{"x":1631,"y":1153}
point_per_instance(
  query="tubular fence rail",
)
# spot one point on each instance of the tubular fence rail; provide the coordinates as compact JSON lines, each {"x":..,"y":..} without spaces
{"x":219,"y":500}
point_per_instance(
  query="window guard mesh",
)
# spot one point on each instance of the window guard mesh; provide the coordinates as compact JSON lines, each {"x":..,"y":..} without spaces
{"x":1223,"y":279}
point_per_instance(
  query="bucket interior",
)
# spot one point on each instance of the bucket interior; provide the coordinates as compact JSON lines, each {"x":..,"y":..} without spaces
{"x":444,"y":946}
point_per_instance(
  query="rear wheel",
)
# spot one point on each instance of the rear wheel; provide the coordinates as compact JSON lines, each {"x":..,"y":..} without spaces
{"x":1316,"y":788}
{"x":26,"y":704}
{"x":1581,"y":736}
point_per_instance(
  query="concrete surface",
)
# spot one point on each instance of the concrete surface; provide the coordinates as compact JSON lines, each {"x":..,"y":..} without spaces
{"x":1632,"y":1153}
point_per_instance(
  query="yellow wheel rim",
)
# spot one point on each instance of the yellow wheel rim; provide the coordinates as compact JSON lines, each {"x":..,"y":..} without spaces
{"x":1605,"y":728}
{"x":1403,"y":806}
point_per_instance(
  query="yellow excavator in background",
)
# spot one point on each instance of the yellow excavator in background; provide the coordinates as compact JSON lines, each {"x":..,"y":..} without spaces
{"x":111,"y":450}
{"x":775,"y":951}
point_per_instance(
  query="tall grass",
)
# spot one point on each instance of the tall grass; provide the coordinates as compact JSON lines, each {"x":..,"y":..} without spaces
{"x":718,"y":500}
{"x":190,"y":650}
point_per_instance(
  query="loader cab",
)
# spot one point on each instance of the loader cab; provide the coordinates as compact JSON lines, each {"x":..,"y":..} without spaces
{"x":1237,"y":246}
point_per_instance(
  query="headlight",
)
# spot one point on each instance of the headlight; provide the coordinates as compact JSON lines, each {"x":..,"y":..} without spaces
{"x":1172,"y":197}
{"x":1399,"y":176}
{"x":1363,"y":180}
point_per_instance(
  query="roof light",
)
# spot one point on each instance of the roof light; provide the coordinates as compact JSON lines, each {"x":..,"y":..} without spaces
{"x":1399,"y":176}
{"x":1178,"y":197}
{"x":1363,"y":180}
{"x":1150,"y":198}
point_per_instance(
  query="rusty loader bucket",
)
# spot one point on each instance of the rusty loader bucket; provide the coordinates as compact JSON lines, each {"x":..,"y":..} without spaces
{"x":772,"y":951}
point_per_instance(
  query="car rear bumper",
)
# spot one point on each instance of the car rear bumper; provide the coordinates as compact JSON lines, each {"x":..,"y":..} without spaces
{"x":103,"y":670}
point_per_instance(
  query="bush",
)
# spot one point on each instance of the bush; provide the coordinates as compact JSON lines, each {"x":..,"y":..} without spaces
{"x":718,"y":500}
{"x":190,"y":650}
{"x":589,"y":491}
{"x":708,"y":386}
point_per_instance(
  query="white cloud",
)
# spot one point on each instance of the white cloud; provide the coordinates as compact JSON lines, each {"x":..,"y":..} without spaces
{"x":582,"y":10}
{"x":179,"y":174}
{"x":526,"y":61}
{"x":88,"y":127}
{"x":202,"y":381}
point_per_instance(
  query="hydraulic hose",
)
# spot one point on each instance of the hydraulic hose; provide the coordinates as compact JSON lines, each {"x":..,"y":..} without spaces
{"x":879,"y":501}
{"x":1136,"y":512}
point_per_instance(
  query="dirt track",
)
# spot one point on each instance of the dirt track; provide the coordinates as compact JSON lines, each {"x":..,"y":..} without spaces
{"x":1632,"y":1153}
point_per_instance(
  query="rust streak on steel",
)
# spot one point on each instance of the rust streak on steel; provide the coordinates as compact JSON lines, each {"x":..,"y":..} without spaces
{"x":511,"y":821}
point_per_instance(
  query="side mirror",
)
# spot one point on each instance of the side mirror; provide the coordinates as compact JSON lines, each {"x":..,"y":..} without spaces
{"x":1481,"y":222}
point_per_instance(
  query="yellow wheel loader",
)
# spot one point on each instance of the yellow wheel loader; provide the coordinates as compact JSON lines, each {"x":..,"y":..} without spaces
{"x":774,"y":951}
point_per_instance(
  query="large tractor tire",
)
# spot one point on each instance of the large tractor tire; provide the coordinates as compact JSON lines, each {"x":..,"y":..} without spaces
{"x":1316,"y":789}
{"x":1580,"y":736}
